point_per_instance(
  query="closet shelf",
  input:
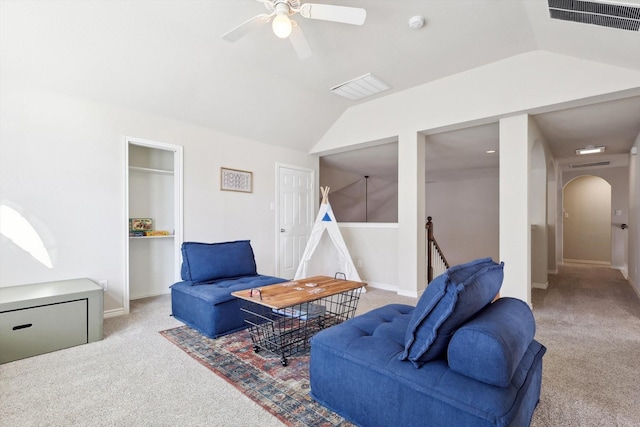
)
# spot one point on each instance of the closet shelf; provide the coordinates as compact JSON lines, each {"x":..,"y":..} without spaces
{"x":150,"y":170}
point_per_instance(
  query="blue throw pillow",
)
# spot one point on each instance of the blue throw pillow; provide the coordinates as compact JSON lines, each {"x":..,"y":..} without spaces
{"x":205,"y":262}
{"x":432,"y":295}
{"x":489,"y":347}
{"x":457,"y":295}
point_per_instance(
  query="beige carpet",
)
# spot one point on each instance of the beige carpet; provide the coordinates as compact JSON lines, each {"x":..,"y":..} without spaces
{"x":589,"y":320}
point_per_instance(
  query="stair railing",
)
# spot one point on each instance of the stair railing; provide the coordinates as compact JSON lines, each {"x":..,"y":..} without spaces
{"x":436,"y":261}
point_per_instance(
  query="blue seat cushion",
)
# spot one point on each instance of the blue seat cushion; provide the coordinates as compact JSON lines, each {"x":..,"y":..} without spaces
{"x":210,"y":308}
{"x":449,"y":301}
{"x":219,"y":291}
{"x":490,"y":347}
{"x":206,"y":262}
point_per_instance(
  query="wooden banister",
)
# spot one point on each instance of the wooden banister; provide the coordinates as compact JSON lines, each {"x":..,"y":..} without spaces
{"x":436,"y":261}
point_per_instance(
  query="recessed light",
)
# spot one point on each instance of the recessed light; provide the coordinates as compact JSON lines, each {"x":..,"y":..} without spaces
{"x":590,"y":149}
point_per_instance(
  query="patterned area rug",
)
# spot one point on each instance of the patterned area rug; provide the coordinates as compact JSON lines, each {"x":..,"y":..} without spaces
{"x":283,"y":391}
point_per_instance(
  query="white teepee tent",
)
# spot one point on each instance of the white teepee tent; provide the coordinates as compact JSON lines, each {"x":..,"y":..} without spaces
{"x":342,"y":262}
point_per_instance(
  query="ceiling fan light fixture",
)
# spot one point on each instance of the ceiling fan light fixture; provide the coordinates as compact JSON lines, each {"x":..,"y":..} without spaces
{"x":282,"y":26}
{"x":590,"y":149}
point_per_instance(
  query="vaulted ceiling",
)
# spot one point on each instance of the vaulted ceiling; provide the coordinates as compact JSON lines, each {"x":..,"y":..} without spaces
{"x":168,"y":58}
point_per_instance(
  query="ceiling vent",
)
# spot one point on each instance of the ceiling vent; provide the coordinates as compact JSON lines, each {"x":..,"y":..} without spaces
{"x":361,"y":87}
{"x":606,"y":14}
{"x":589,"y":165}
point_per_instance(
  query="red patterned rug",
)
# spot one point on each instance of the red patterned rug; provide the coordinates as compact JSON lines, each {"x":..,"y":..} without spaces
{"x":281,"y":390}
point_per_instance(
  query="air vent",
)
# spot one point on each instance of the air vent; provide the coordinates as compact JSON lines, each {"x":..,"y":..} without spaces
{"x":589,"y":165}
{"x":612,"y":15}
{"x":361,"y":87}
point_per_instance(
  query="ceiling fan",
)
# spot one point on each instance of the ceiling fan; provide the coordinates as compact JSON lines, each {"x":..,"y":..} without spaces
{"x":283,"y":26}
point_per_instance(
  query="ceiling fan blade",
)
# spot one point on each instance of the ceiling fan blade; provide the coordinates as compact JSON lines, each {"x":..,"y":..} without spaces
{"x":299,"y":42}
{"x":246,"y":27}
{"x":327,"y":12}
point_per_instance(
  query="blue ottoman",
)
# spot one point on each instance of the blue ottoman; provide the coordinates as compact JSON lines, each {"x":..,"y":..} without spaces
{"x":210,"y":272}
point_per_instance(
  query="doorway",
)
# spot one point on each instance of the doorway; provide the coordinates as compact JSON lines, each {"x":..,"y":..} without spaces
{"x":153,"y":218}
{"x":295,"y":215}
{"x":586,"y":218}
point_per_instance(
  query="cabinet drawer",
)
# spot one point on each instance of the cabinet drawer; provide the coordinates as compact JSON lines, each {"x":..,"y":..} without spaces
{"x":36,"y":330}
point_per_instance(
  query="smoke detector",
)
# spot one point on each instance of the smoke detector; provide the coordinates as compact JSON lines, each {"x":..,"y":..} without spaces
{"x":416,"y":22}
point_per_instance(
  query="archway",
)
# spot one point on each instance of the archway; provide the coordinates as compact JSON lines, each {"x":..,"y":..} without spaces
{"x":586,"y":218}
{"x":538,"y":215}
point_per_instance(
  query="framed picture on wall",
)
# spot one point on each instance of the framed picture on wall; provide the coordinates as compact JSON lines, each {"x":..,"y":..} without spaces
{"x":236,"y":180}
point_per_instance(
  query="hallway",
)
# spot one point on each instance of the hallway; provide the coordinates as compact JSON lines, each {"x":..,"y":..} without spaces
{"x":589,"y":320}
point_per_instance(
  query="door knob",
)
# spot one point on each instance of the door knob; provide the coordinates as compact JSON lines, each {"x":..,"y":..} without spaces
{"x":282,"y":230}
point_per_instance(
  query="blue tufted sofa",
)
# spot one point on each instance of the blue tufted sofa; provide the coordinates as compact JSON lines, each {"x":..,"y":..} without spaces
{"x":456,"y":359}
{"x":210,"y":272}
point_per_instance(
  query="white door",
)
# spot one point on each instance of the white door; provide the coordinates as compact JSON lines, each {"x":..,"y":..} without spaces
{"x":295,"y":216}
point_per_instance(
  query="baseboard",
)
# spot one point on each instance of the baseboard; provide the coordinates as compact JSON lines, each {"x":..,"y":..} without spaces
{"x":623,"y":269}
{"x":635,"y":287}
{"x":392,"y":288}
{"x":540,"y":285}
{"x":113,"y":313}
{"x":585,"y":261}
{"x":382,"y":286}
{"x":147,"y":295}
{"x":411,"y":294}
{"x":552,"y":271}
{"x":120,"y":311}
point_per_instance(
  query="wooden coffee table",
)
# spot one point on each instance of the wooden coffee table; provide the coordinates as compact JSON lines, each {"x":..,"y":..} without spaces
{"x":283,"y":317}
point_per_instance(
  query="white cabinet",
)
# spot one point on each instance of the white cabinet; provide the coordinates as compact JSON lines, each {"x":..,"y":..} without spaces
{"x":154,"y":191}
{"x":44,"y":317}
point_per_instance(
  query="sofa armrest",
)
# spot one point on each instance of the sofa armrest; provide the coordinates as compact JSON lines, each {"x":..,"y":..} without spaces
{"x":489,"y":347}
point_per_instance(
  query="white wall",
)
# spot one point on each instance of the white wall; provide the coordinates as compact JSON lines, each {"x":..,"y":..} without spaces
{"x":374,"y":248}
{"x":515,"y":225}
{"x":62,"y":167}
{"x":412,"y":264}
{"x":552,"y":217}
{"x":634,"y":219}
{"x":536,"y":81}
{"x":542,"y":229}
{"x":466,"y":217}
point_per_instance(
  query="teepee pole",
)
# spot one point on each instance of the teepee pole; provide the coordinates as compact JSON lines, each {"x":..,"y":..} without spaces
{"x":325,"y":195}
